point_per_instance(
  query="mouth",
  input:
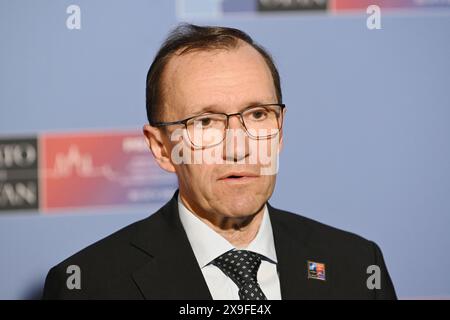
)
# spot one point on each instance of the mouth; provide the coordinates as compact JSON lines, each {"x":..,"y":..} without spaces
{"x":239,"y":177}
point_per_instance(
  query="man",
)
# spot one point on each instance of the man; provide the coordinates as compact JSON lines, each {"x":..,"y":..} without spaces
{"x":213,"y":103}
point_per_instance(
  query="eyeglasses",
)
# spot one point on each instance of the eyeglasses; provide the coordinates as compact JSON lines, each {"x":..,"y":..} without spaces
{"x":209,"y":129}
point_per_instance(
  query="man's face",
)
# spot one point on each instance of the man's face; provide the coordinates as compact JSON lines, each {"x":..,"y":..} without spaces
{"x":224,"y":81}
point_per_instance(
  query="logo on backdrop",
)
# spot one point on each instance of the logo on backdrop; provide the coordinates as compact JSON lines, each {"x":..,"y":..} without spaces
{"x":19,"y":173}
{"x":80,"y":170}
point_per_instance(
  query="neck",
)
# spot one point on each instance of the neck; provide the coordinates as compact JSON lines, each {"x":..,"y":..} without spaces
{"x":239,"y":231}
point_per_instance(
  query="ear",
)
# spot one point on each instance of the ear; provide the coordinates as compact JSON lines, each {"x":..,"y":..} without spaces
{"x":280,"y":146}
{"x":158,"y":144}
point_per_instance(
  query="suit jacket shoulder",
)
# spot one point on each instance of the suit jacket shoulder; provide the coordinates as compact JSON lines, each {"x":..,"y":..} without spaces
{"x":104,"y":266}
{"x":149,"y":259}
{"x":349,"y":259}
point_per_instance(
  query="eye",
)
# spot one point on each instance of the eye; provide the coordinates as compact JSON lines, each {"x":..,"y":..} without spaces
{"x":259,"y":114}
{"x":203,"y":122}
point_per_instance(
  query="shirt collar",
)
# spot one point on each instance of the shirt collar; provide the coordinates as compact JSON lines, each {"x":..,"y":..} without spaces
{"x":208,"y":244}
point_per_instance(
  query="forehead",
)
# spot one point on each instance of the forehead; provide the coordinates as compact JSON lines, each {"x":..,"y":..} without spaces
{"x":221,"y":79}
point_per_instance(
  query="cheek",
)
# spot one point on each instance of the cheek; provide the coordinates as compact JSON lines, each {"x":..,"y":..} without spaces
{"x":265,"y":153}
{"x":197,"y":175}
{"x":266,"y":181}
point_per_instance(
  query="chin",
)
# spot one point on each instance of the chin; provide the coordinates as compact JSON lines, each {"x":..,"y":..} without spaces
{"x":241,"y":207}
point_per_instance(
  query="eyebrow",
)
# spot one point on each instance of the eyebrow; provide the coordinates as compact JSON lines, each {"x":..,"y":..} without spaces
{"x":213,"y":108}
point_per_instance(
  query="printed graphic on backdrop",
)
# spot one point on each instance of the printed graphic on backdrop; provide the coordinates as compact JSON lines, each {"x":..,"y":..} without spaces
{"x":343,"y":5}
{"x":57,"y":172}
{"x":18,"y":173}
{"x":100,"y":169}
{"x":188,"y":9}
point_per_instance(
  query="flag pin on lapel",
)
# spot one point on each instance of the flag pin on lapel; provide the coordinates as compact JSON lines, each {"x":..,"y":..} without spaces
{"x":316,"y":270}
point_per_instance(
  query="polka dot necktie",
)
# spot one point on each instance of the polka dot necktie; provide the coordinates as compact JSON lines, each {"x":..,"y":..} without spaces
{"x":242,"y":266}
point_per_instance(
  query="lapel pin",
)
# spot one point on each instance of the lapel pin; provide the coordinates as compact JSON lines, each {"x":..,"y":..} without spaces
{"x":316,"y":270}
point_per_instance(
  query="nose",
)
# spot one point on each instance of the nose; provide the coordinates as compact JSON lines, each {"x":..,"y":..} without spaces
{"x":236,"y":141}
{"x":235,"y":122}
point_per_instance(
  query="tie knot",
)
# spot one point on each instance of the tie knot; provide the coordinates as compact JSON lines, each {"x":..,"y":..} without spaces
{"x":240,"y":265}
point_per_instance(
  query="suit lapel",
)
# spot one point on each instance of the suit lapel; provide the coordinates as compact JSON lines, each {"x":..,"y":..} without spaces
{"x":172,"y":271}
{"x":293,"y":250}
{"x":290,"y":255}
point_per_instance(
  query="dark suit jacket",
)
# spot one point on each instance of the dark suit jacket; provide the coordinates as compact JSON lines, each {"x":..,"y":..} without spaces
{"x":152,"y":259}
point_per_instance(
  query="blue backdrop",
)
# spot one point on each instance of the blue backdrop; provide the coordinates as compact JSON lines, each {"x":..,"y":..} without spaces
{"x":366,"y":135}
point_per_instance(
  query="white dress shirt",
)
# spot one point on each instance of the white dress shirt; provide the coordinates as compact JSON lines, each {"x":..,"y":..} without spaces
{"x":208,"y":245}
